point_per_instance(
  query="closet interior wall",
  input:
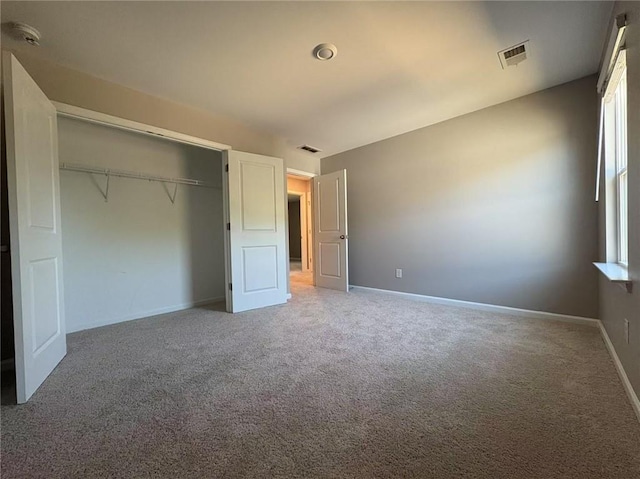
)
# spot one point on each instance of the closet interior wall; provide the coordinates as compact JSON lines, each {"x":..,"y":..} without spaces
{"x":136,"y":253}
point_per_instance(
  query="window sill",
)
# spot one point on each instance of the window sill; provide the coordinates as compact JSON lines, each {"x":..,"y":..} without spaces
{"x":616,"y":274}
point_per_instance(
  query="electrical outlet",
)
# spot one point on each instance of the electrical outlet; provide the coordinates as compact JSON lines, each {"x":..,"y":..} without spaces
{"x":398,"y":273}
{"x":626,"y":330}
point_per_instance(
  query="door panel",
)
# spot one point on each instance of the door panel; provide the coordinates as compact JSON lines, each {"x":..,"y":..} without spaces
{"x":256,"y":243}
{"x":330,"y":231}
{"x":260,"y":268}
{"x":43,"y":274}
{"x":36,"y":242}
{"x":330,"y":259}
{"x":329,"y":208}
{"x":258,"y":188}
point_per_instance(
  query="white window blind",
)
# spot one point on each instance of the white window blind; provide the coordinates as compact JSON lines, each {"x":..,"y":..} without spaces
{"x":617,"y":94}
{"x":610,"y":67}
{"x":614,"y":106}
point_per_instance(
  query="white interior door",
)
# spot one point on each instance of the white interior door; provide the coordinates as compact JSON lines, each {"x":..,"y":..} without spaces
{"x":309,"y":236}
{"x":36,"y":243}
{"x":304,"y":251}
{"x":330,"y":231}
{"x":256,"y":236}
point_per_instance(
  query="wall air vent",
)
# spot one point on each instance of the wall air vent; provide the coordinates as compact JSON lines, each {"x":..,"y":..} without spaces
{"x":514,"y":55}
{"x":308,"y":148}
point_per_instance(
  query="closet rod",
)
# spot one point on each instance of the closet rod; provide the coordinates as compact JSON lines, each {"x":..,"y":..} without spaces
{"x":134,"y":175}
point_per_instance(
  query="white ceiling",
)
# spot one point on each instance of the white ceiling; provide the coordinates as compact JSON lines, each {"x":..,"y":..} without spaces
{"x":400,"y":66}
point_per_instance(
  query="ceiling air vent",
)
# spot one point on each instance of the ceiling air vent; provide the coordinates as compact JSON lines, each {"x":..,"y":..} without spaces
{"x":514,"y":55}
{"x":308,"y":148}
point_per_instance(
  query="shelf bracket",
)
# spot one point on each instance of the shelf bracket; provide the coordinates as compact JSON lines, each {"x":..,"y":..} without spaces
{"x":103,"y":191}
{"x":172,"y":196}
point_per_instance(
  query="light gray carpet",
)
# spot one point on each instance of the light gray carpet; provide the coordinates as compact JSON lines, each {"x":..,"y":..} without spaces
{"x":330,"y":385}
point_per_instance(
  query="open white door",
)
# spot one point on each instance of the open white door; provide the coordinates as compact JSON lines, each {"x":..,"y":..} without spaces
{"x":36,"y":243}
{"x":255,"y":241}
{"x":331,"y":241}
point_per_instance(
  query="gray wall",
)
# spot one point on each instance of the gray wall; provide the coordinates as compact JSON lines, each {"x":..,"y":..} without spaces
{"x":493,"y":207}
{"x":137,"y":254}
{"x":295,"y":241}
{"x":615,"y":303}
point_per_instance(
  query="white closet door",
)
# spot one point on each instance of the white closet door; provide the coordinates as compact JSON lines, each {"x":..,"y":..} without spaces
{"x":36,"y":243}
{"x":256,"y":244}
{"x":330,"y":233}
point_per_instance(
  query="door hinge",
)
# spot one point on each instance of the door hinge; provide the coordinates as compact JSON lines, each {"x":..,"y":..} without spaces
{"x":230,"y":286}
{"x":228,"y":226}
{"x":226,"y":168}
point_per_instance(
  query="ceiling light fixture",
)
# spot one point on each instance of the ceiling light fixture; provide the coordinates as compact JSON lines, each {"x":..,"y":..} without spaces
{"x":325,"y":51}
{"x":26,"y":32}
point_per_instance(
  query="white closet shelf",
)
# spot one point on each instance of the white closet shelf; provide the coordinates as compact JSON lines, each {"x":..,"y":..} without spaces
{"x":135,"y":175}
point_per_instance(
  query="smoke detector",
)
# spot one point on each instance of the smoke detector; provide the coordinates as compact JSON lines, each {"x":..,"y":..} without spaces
{"x":325,"y":51}
{"x":25,"y":32}
{"x":514,"y":55}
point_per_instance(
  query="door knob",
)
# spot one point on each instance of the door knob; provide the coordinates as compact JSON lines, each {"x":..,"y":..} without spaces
{"x":342,"y":237}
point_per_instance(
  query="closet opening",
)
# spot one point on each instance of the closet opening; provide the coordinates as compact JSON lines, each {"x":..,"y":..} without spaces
{"x":143,"y":225}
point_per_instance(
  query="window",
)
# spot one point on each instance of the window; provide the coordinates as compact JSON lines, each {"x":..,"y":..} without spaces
{"x":615,"y":104}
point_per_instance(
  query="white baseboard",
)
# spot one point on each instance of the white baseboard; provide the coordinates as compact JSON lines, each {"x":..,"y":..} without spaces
{"x":633,"y":397}
{"x":146,"y":314}
{"x":526,"y":313}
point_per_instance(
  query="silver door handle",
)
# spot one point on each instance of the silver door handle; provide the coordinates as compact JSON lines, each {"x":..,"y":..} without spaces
{"x":343,"y":237}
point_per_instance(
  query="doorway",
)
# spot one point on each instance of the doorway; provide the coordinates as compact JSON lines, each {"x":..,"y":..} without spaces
{"x":299,"y":205}
{"x":322,"y":259}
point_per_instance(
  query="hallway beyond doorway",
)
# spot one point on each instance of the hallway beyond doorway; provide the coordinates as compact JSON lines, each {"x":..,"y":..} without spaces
{"x":298,"y":276}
